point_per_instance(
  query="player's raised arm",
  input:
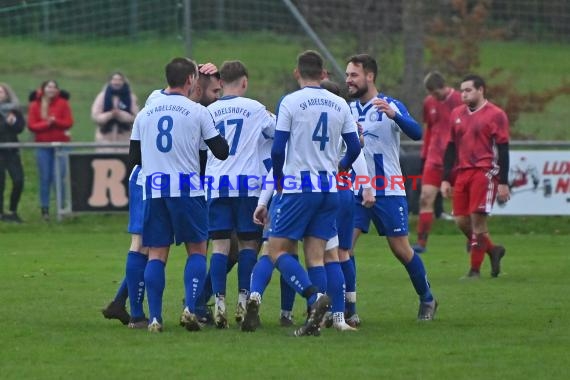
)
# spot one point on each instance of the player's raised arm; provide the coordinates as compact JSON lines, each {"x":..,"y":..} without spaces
{"x":217,"y":144}
{"x":399,"y":113}
{"x":219,"y":147}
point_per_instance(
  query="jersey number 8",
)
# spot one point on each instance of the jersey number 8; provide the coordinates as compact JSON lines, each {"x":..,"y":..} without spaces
{"x":164,"y":138}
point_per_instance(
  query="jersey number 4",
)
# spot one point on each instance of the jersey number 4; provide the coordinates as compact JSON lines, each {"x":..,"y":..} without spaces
{"x":322,"y":128}
{"x":221,"y":127}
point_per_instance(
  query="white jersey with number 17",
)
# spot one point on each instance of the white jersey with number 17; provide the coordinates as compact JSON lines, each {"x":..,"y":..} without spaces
{"x":243,"y":122}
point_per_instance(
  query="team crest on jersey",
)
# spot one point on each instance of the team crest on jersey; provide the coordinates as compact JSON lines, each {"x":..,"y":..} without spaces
{"x":433,"y":111}
{"x":374,"y":116}
{"x":458,"y":121}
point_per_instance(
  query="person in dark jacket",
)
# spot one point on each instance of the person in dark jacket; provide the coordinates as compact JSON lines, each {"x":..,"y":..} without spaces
{"x":11,"y":124}
{"x":49,"y":118}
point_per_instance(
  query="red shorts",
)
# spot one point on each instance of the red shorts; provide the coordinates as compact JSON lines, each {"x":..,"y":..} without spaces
{"x":432,"y":175}
{"x":474,"y":192}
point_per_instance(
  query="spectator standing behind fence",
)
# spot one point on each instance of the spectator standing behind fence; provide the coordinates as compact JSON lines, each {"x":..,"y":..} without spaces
{"x":49,"y":118}
{"x":11,"y":125}
{"x":114,"y":111}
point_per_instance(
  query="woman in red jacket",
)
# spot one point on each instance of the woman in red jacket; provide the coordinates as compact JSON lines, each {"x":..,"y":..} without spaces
{"x":49,"y":118}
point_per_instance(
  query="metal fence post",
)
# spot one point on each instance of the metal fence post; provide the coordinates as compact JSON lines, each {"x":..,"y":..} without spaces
{"x":188,"y":27}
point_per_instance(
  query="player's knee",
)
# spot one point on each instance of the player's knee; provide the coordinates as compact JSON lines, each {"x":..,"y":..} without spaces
{"x":220,"y":235}
{"x":343,"y":254}
{"x":250,"y":238}
{"x":137,"y":245}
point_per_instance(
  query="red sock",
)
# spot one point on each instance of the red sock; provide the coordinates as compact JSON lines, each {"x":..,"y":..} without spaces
{"x":477,"y":252}
{"x":488,"y":243}
{"x":424,"y":227}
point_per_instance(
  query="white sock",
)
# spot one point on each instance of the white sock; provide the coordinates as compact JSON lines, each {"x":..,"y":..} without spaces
{"x":287,"y":314}
{"x":221,"y":302}
{"x":255,"y":296}
{"x":242,"y":297}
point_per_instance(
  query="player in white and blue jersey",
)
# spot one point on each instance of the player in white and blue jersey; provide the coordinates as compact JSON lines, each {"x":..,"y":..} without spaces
{"x":166,"y":140}
{"x":207,"y":91}
{"x":262,"y":272}
{"x":264,"y":262}
{"x":304,"y":155}
{"x":234,"y":185}
{"x":383,"y":119}
{"x":132,"y":285}
{"x":345,"y":227}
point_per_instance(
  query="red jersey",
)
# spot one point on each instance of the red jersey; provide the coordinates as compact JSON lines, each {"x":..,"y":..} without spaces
{"x":436,"y":118}
{"x":476,"y":135}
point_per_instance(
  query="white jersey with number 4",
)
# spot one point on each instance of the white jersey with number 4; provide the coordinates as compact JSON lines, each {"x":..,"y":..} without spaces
{"x":316,"y":119}
{"x":170,"y":130}
{"x":243,"y":122}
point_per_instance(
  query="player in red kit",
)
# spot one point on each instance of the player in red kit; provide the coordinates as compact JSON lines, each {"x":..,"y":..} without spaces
{"x":479,"y":148}
{"x":437,"y":108}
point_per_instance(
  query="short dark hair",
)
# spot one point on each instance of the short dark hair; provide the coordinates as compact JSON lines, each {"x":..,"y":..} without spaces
{"x":310,"y":65}
{"x":434,"y":80}
{"x":478,"y":81}
{"x":232,"y":71}
{"x":331,"y":86}
{"x":178,"y":70}
{"x":368,"y":63}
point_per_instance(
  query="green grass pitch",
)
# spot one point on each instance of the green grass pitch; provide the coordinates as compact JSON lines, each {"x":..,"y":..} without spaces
{"x":55,"y":278}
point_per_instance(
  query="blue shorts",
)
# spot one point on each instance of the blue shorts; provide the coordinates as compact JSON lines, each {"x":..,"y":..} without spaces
{"x":389,"y":214}
{"x":136,"y":208}
{"x":304,"y":214}
{"x":233,"y":214}
{"x":345,"y":218}
{"x":177,"y":219}
{"x":267,"y":227}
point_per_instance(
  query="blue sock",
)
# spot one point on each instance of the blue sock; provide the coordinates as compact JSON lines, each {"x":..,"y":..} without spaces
{"x":353,"y":259}
{"x":418,"y":276}
{"x":287,"y":293}
{"x":335,"y":286}
{"x":204,"y":297}
{"x":154,"y":278}
{"x":261,"y":274}
{"x":201,"y":308}
{"x":232,"y":261}
{"x":318,"y":277}
{"x":194,"y":276}
{"x":122,"y":293}
{"x":246,"y":261}
{"x":349,"y":273}
{"x":296,"y":277}
{"x":218,"y":273}
{"x":136,"y":263}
